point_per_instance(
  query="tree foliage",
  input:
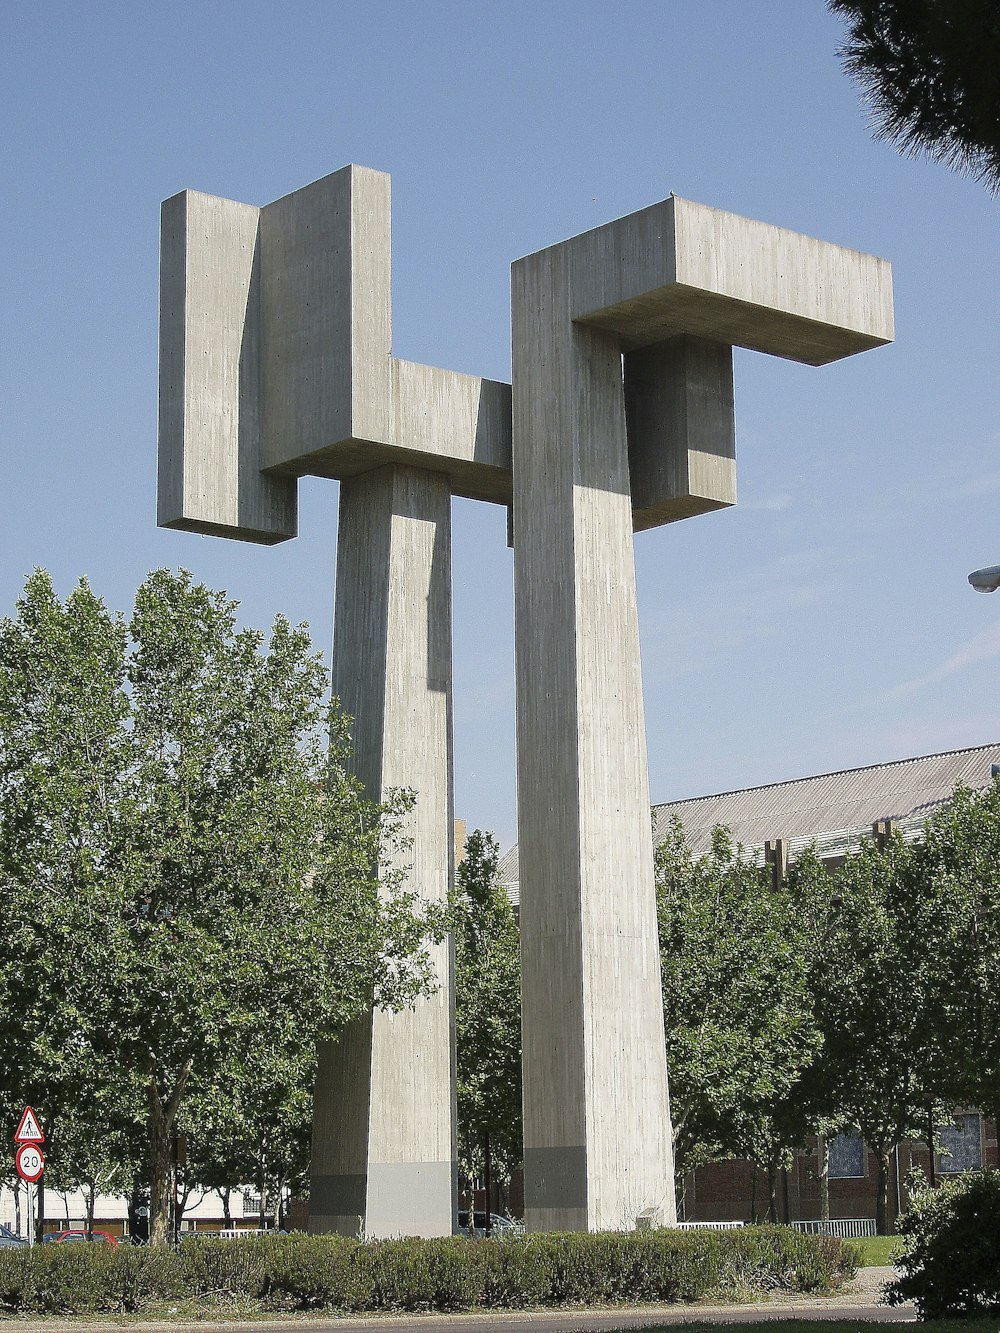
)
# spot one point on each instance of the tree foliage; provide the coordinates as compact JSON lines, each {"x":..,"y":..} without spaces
{"x":875,"y":985}
{"x":958,"y":871}
{"x":738,"y":1016}
{"x":931,"y":72}
{"x":185,"y":862}
{"x":488,"y":1012}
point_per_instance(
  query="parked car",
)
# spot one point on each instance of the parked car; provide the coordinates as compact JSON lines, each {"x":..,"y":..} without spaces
{"x":71,"y":1237}
{"x":499,"y":1226}
{"x":10,"y":1240}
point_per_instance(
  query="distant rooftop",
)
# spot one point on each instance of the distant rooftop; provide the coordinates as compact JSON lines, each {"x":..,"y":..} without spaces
{"x":834,"y":810}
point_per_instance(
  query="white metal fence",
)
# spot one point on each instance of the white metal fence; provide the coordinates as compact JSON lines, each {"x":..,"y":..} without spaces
{"x":838,"y":1226}
{"x":711,"y":1226}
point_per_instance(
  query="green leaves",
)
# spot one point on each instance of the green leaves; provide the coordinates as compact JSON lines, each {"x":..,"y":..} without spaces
{"x":738,"y":1016}
{"x":930,"y":70}
{"x":188,"y":868}
{"x":488,"y":1011}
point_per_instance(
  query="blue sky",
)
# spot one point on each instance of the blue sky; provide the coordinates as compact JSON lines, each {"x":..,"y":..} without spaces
{"x":823,"y":623}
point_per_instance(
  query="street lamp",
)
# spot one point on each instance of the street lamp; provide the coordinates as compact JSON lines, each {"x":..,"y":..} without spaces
{"x":986,"y":580}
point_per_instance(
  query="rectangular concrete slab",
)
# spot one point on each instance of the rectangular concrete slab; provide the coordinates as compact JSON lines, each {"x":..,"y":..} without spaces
{"x":209,"y":477}
{"x":326,"y":301}
{"x":276,"y":338}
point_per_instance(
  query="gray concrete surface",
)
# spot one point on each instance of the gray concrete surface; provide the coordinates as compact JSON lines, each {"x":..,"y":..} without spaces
{"x":658,"y":291}
{"x":209,"y":418}
{"x":384,"y":1132}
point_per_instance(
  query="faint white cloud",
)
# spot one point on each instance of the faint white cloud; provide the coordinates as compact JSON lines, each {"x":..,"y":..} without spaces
{"x":987,"y":485}
{"x":954,"y":478}
{"x":686,"y":638}
{"x":981,"y":648}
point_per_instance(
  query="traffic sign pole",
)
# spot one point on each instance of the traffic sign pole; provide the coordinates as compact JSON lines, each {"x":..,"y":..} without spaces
{"x":30,"y":1164}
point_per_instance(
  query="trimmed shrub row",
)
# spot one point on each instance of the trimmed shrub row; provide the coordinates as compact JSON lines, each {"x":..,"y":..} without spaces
{"x":302,"y":1272}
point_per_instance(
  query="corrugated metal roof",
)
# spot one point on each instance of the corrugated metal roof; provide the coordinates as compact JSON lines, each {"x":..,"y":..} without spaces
{"x":834,"y":809}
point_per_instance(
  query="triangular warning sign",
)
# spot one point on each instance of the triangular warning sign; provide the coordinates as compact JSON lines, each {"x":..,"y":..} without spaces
{"x":29,"y":1130}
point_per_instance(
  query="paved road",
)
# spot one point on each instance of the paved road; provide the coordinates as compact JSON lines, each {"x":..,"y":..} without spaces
{"x":858,"y":1303}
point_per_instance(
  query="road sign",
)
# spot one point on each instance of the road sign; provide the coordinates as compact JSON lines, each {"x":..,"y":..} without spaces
{"x":29,"y":1162}
{"x":29,"y":1130}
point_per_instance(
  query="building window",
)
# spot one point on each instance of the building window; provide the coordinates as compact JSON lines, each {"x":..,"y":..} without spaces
{"x":960,"y":1145}
{"x":251,"y":1204}
{"x":847,"y":1157}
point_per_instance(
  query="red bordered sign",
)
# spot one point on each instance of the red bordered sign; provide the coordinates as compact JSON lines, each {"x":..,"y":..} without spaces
{"x":29,"y":1162}
{"x":29,"y":1130}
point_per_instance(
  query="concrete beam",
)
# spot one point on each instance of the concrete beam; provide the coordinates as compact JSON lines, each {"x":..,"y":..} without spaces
{"x":384,"y":1133}
{"x":679,"y":267}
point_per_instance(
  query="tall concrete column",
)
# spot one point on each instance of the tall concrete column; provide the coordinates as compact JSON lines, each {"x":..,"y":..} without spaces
{"x":384,"y":1136}
{"x":597,"y":1145}
{"x":622,"y":418}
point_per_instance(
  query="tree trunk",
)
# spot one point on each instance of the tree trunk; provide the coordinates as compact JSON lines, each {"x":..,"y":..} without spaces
{"x":882,"y":1192}
{"x":161,"y":1175}
{"x":931,"y":1174}
{"x":90,"y":1200}
{"x":262,"y":1215}
{"x":823,"y":1153}
{"x":753,"y":1193}
{"x":227,"y":1215}
{"x":772,"y":1192}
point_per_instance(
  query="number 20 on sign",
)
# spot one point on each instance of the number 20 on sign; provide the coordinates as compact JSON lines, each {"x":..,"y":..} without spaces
{"x":30,"y":1162}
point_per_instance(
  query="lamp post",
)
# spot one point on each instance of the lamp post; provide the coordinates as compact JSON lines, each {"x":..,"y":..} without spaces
{"x":986,"y":580}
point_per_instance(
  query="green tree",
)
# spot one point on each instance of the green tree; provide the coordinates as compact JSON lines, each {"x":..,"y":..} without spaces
{"x":738,"y":1017}
{"x":185,"y":859}
{"x":488,"y":1013}
{"x":876,"y":1002}
{"x":254,"y":1126}
{"x":957,"y":867}
{"x":931,"y":72}
{"x":816,"y":901}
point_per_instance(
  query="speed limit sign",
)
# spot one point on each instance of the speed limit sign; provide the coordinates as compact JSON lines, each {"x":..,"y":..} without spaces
{"x":30,"y":1162}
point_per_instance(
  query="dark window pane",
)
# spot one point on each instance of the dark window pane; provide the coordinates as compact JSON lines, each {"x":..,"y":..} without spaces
{"x":961,"y":1148}
{"x":847,"y":1157}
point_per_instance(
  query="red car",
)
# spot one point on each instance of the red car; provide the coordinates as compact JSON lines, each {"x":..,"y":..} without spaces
{"x":104,"y":1237}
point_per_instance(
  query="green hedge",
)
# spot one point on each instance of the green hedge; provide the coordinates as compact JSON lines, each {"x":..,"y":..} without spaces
{"x":301,"y":1272}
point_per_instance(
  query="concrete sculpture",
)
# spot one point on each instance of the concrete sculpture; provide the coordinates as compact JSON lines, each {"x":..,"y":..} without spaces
{"x":276,"y":363}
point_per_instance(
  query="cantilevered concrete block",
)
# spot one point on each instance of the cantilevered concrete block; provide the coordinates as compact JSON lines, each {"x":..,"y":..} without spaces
{"x":622,"y":415}
{"x":681,"y":430}
{"x":679,"y":267}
